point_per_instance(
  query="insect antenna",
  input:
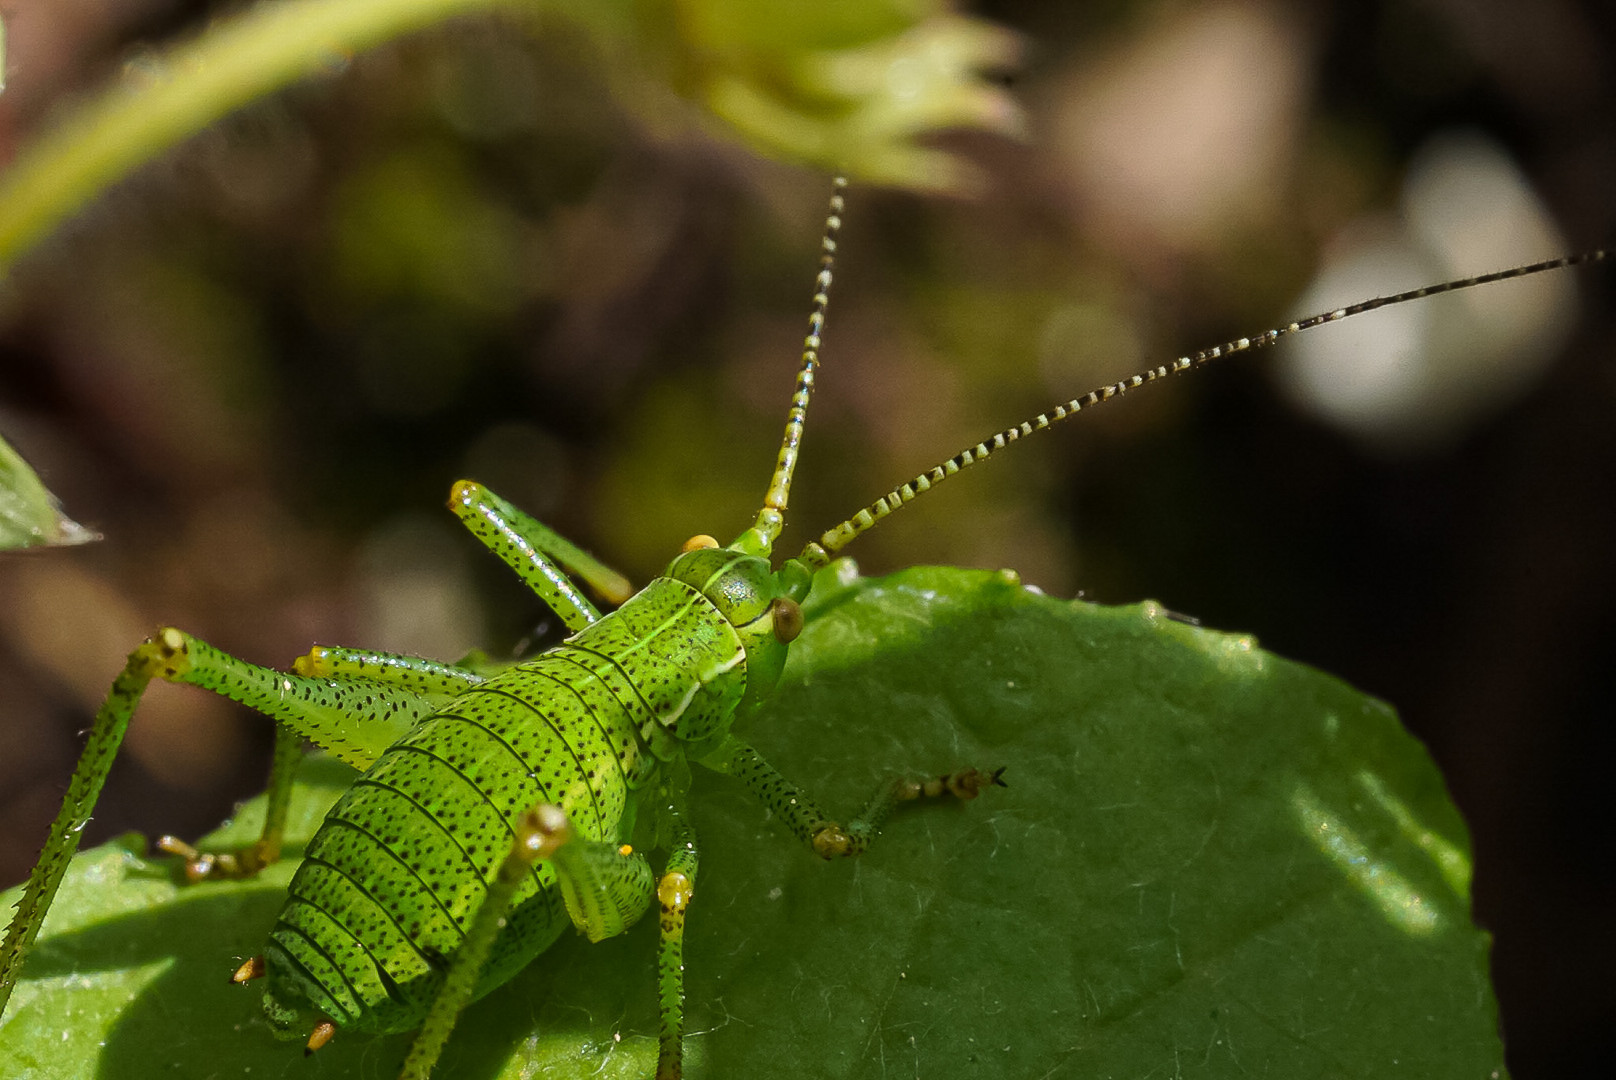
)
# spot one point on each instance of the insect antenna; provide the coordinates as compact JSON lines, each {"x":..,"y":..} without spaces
{"x":771,"y":519}
{"x":819,"y":552}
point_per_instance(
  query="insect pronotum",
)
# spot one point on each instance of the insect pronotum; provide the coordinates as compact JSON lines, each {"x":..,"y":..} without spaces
{"x":497,"y":808}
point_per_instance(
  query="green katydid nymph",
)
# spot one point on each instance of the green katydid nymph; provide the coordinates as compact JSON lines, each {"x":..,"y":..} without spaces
{"x":495,"y":809}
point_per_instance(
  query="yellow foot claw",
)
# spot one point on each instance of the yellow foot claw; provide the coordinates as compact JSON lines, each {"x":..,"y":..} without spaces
{"x":252,"y":969}
{"x":831,"y":840}
{"x":218,"y":865}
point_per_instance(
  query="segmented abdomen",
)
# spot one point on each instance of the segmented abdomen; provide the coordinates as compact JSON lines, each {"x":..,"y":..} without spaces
{"x":390,"y":882}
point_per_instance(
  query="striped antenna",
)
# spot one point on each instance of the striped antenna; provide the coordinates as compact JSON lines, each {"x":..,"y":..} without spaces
{"x":820,"y":552}
{"x":771,"y":519}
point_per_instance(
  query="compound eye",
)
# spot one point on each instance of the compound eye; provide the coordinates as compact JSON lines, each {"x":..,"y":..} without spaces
{"x":697,"y":543}
{"x":787,"y":615}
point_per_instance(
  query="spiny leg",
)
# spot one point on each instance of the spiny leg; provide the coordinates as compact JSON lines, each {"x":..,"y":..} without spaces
{"x":607,"y":887}
{"x":962,"y":784}
{"x":355,"y":719}
{"x":675,"y":889}
{"x":430,"y":678}
{"x":826,"y":837}
{"x":611,"y":586}
{"x":415,"y":673}
{"x":246,"y":862}
{"x":538,"y":554}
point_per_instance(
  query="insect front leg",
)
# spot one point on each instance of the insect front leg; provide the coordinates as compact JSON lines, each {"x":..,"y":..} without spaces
{"x":606,"y":887}
{"x":812,"y":826}
{"x":538,"y":554}
{"x":355,"y":719}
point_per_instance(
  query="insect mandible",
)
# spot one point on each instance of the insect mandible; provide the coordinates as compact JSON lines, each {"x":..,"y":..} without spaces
{"x":497,"y":809}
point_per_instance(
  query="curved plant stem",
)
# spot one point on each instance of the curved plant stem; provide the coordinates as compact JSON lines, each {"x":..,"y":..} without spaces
{"x":267,"y":47}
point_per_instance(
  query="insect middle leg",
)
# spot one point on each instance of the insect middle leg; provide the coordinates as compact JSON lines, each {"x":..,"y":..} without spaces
{"x":606,"y":888}
{"x":812,"y":826}
{"x":675,"y":889}
{"x":355,"y":719}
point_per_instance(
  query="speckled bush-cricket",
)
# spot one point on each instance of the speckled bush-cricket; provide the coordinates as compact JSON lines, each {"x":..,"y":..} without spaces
{"x":498,"y":807}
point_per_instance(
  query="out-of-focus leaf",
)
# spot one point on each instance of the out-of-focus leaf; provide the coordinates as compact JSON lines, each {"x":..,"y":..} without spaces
{"x":30,"y":516}
{"x":1209,"y":861}
{"x":169,"y":97}
{"x":855,"y":85}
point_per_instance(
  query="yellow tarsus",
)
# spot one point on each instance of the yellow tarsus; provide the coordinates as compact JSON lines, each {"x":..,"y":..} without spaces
{"x":319,"y":1036}
{"x":251,"y":969}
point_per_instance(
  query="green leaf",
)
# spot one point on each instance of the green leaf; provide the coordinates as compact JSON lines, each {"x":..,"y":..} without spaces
{"x":1209,"y":861}
{"x":30,"y":516}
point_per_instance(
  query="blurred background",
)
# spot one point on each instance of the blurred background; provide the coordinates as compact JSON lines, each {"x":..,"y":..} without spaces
{"x":256,"y":365}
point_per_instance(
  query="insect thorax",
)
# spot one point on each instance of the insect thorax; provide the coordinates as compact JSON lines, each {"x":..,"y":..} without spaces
{"x":745,"y":592}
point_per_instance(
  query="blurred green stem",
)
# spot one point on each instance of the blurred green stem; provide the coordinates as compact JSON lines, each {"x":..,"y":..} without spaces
{"x":267,"y":47}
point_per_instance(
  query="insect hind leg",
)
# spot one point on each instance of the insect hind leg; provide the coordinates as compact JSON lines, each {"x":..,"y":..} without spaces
{"x":341,"y":692}
{"x":354,"y":718}
{"x":248,"y":861}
